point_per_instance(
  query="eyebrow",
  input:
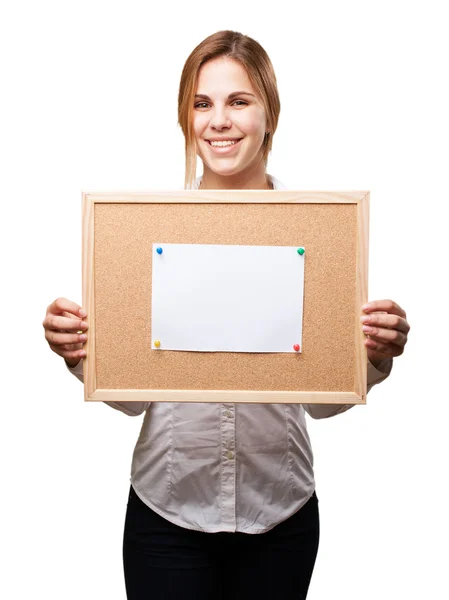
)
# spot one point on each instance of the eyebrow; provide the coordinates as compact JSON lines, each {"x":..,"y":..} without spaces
{"x":233,"y":95}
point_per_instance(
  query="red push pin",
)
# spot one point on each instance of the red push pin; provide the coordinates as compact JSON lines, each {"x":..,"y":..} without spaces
{"x":296,"y":347}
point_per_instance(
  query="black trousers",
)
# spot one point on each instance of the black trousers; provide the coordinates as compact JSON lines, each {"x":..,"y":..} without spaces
{"x":163,"y":561}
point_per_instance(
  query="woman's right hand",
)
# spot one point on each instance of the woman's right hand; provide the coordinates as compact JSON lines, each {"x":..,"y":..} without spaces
{"x":63,"y":323}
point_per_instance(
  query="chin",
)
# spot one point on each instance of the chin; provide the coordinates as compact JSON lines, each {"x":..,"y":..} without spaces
{"x":224,"y":170}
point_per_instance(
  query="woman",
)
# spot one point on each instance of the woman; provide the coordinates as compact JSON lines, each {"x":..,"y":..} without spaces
{"x":230,"y":470}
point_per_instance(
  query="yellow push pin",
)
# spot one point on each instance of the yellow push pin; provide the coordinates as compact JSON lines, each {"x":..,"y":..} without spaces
{"x":157,"y":343}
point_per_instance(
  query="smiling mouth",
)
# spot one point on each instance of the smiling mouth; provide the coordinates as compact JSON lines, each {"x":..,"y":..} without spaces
{"x":223,"y":143}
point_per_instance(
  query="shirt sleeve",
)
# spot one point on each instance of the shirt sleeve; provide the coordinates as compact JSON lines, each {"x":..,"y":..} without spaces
{"x":374,"y":376}
{"x":133,"y":409}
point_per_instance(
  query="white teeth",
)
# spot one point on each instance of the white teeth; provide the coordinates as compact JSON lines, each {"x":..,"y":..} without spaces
{"x":221,"y":144}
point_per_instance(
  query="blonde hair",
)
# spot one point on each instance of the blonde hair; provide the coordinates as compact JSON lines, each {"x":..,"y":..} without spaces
{"x":254,"y":59}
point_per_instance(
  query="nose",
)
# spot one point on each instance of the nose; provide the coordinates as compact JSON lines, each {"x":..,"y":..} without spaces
{"x":220,"y":119}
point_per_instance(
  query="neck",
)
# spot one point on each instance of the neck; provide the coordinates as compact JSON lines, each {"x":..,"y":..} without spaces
{"x":254,"y":180}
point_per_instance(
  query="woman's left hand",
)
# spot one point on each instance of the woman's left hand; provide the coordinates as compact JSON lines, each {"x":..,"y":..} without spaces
{"x":385,"y":325}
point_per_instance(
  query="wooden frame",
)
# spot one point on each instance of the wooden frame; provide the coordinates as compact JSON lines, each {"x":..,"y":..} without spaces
{"x":355,"y":394}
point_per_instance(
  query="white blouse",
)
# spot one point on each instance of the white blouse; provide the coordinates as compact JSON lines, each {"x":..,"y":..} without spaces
{"x":226,"y":467}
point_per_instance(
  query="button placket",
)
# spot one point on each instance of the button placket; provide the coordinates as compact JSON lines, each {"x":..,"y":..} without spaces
{"x":228,"y":500}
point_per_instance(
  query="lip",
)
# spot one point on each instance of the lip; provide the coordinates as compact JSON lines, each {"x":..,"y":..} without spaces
{"x":223,"y":149}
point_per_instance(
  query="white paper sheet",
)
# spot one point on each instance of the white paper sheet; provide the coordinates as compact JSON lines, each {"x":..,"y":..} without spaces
{"x":218,"y":298}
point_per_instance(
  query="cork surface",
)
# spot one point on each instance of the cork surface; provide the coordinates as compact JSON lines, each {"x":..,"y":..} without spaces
{"x":124,"y":234}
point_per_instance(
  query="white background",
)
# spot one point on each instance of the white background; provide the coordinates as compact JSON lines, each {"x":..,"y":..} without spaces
{"x":89,"y":98}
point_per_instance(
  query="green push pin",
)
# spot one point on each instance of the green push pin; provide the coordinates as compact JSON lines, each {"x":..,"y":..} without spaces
{"x":300,"y":251}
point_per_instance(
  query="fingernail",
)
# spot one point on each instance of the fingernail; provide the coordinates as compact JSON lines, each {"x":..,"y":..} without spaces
{"x":83,"y":325}
{"x":82,"y":312}
{"x":83,"y":337}
{"x":366,"y":306}
{"x":82,"y":354}
{"x":365,"y":319}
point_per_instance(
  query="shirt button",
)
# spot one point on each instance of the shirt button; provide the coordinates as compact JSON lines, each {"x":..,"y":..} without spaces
{"x":228,"y":413}
{"x":229,"y":456}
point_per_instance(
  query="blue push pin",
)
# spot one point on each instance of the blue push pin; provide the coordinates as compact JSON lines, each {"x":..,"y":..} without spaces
{"x":159,"y":250}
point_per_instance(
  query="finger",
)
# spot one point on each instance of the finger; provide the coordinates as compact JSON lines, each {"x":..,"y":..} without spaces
{"x":65,"y":324}
{"x":68,"y":353}
{"x":385,"y":349}
{"x":387,"y":321}
{"x":62,"y":304}
{"x":389,"y":336}
{"x":70,"y":315}
{"x":388,"y":306}
{"x":56,"y":338}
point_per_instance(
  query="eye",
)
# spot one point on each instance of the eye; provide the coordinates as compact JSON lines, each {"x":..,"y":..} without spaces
{"x":201,"y":105}
{"x":240,"y":103}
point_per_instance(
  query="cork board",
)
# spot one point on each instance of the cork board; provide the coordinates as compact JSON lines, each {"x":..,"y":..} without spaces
{"x":118,"y":233}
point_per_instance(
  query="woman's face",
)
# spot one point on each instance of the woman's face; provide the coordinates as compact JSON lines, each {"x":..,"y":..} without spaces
{"x":229,"y":119}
